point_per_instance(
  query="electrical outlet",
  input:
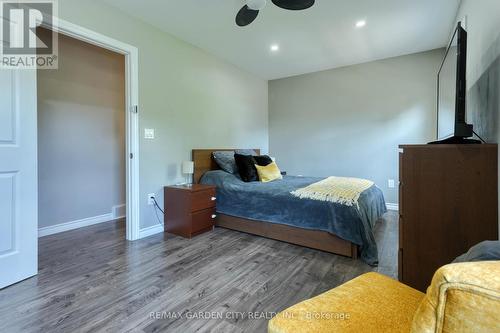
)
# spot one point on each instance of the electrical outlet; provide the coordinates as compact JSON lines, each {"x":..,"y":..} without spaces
{"x":390,"y":183}
{"x":151,"y":201}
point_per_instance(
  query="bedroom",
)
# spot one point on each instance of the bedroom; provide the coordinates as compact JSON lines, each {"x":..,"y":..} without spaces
{"x":331,"y":90}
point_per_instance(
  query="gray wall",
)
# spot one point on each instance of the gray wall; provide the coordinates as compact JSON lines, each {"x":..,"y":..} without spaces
{"x":483,"y":66}
{"x":349,"y":121}
{"x":191,"y":98}
{"x":81,"y":134}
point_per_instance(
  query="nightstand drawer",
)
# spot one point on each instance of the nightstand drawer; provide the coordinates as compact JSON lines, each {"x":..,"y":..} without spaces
{"x":202,"y":220}
{"x":202,"y":200}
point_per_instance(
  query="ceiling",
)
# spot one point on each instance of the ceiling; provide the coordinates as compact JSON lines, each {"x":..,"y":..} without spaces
{"x":322,"y":37}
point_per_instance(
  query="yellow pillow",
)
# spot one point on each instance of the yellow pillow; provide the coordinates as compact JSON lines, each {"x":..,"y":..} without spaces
{"x":268,"y":173}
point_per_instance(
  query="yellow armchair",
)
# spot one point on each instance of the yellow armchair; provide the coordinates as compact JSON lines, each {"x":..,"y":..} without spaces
{"x":463,"y":297}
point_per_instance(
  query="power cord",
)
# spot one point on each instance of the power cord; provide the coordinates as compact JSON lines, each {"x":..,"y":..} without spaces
{"x":156,"y":204}
{"x":155,"y":207}
{"x":480,"y":138}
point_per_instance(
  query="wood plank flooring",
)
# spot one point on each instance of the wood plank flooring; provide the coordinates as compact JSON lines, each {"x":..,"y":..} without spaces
{"x":93,"y":280}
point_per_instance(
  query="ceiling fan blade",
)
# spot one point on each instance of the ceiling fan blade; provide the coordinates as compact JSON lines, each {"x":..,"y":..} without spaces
{"x":294,"y":4}
{"x":246,"y":16}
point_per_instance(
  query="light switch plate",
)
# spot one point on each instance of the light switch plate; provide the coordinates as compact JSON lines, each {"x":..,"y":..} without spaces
{"x":149,"y":133}
{"x":390,"y":183}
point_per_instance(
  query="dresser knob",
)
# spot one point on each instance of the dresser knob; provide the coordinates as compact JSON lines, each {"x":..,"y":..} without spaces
{"x":213,"y":198}
{"x":214,"y":216}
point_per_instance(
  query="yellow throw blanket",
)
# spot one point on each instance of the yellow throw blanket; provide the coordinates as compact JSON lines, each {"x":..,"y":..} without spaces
{"x":340,"y":190}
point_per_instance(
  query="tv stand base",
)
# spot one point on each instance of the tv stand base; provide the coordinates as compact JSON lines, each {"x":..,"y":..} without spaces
{"x":455,"y":140}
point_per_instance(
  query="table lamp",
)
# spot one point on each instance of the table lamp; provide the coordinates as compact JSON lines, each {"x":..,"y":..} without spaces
{"x":188,"y":169}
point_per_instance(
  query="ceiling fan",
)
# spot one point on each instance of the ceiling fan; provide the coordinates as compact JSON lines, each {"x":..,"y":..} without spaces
{"x":249,"y":12}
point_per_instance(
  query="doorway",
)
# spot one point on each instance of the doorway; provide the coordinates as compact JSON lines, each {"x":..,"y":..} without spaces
{"x":131,"y":114}
{"x":81,"y":137}
{"x":18,"y":157}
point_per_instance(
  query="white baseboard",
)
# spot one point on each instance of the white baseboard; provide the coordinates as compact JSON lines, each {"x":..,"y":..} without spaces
{"x":150,"y":231}
{"x":55,"y":229}
{"x":392,"y":206}
{"x":119,"y":211}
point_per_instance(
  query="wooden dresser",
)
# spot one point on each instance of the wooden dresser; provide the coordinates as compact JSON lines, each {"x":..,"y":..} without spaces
{"x":190,"y":209}
{"x":448,"y":202}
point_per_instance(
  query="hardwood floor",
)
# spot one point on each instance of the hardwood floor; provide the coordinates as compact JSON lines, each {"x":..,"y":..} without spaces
{"x":91,"y":279}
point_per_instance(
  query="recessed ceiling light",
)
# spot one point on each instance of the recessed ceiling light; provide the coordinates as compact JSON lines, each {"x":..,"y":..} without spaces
{"x":275,"y":47}
{"x":360,"y":24}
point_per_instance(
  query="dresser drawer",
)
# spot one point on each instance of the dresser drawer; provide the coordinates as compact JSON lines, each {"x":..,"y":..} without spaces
{"x":401,"y":184}
{"x":400,"y":266}
{"x":202,"y":200}
{"x":202,"y":220}
{"x":401,"y":200}
{"x":400,"y":228}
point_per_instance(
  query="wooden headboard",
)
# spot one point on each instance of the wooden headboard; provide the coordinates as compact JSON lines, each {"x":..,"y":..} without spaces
{"x":203,"y":161}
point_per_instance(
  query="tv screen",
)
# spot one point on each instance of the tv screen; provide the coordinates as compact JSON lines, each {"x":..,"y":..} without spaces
{"x":447,"y":92}
{"x":451,"y":122}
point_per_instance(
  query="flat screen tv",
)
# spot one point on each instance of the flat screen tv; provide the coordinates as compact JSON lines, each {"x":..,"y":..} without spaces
{"x":451,"y":123}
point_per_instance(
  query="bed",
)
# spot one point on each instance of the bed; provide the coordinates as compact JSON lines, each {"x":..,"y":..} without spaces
{"x":270,"y":210}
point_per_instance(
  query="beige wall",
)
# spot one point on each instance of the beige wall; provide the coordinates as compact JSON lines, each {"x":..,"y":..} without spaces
{"x":81,"y":134}
{"x":191,"y":98}
{"x":349,"y":121}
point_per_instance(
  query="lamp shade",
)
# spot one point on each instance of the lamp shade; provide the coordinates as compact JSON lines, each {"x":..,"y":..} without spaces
{"x":188,"y":167}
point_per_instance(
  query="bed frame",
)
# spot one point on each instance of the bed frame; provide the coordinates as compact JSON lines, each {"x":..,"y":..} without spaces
{"x":320,"y":240}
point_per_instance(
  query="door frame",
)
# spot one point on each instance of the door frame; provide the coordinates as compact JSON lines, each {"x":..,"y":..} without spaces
{"x":131,"y":54}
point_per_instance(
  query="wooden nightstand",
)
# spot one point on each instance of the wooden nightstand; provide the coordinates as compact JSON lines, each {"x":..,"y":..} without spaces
{"x":189,"y":209}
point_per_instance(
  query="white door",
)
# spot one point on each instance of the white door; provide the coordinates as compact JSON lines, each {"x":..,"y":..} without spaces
{"x":18,"y":176}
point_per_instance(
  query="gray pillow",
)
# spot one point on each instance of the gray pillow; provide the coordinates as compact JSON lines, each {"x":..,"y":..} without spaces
{"x":484,"y":251}
{"x":245,"y":152}
{"x":225,"y":159}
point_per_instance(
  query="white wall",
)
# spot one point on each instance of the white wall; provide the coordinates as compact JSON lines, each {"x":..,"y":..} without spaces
{"x":349,"y":121}
{"x":81,"y":134}
{"x":483,"y":66}
{"x":191,"y":98}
